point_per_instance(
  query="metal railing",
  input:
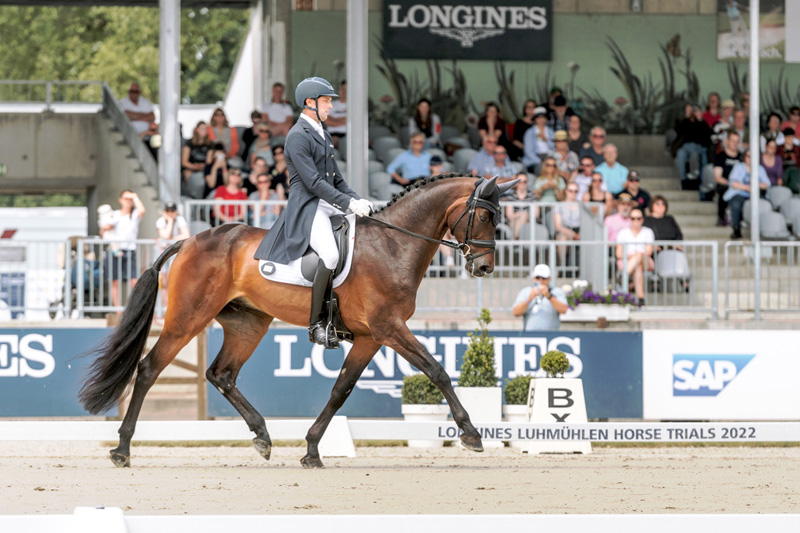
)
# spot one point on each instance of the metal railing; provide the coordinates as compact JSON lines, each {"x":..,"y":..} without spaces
{"x":780,"y":276}
{"x":32,"y":279}
{"x":51,"y":93}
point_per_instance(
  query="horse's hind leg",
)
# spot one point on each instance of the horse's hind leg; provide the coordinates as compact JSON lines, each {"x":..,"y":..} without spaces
{"x":354,"y":364}
{"x":244,"y":329}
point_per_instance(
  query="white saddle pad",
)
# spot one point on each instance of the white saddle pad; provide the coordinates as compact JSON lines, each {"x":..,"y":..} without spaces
{"x":291,"y":273}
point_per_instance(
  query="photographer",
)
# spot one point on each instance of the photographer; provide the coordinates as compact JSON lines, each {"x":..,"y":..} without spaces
{"x":541,"y":304}
{"x":216,"y":169}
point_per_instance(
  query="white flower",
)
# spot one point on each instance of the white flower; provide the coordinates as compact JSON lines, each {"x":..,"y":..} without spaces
{"x":606,"y":292}
{"x":567,"y":288}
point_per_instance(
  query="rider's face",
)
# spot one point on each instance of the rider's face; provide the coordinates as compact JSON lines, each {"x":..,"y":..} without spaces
{"x":324,"y":107}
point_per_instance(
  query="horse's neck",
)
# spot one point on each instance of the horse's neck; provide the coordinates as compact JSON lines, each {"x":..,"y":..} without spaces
{"x":424,"y":211}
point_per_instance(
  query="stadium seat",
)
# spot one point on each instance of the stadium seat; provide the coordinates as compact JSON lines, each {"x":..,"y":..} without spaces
{"x":371,"y":155}
{"x":382,"y":145}
{"x":375,"y":166}
{"x":791,"y":208}
{"x":764,"y":206}
{"x":448,"y":133}
{"x":376,"y":181}
{"x":376,"y":132}
{"x":777,"y":195}
{"x":773,"y":226}
{"x":796,"y":225}
{"x":673,"y":265}
{"x":462,"y":158}
{"x":436,"y":151}
{"x":474,"y":137}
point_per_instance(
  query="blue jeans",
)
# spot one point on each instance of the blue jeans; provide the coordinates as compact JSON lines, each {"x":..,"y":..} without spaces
{"x":685,"y":152}
{"x":736,"y":204}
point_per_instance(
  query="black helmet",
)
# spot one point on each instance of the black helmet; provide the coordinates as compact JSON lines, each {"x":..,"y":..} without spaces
{"x":312,"y":88}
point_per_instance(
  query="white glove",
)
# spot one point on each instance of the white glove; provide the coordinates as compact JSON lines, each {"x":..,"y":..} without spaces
{"x":360,"y":207}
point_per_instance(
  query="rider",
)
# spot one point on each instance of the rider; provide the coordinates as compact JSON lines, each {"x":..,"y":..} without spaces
{"x":318,"y":192}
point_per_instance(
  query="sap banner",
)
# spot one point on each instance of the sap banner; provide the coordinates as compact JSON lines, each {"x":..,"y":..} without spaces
{"x":289,"y":377}
{"x":41,"y":370}
{"x":721,"y":375}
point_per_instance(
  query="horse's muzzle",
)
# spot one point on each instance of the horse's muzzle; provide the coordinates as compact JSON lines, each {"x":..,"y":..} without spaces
{"x":480,"y":270}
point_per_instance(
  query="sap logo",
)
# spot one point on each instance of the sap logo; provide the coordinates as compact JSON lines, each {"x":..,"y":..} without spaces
{"x":705,"y":375}
{"x":40,"y":357}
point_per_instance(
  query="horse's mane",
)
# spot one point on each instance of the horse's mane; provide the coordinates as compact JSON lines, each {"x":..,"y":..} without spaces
{"x":422,"y":183}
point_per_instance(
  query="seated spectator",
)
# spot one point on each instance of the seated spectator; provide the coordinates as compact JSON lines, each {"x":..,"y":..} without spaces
{"x":264,"y":216}
{"x":794,"y":119}
{"x":538,"y":141}
{"x":621,"y":219}
{"x":251,"y":134}
{"x":712,"y":113}
{"x":597,"y":138}
{"x":558,"y":118}
{"x":427,"y":122}
{"x":584,"y":177}
{"x":664,"y":225}
{"x":639,"y":196}
{"x":723,"y":164}
{"x":567,"y":218}
{"x":492,"y":123}
{"x":739,"y":191}
{"x":337,"y":118}
{"x":261,"y":147}
{"x":773,"y":163}
{"x":138,"y":109}
{"x":635,"y":251}
{"x":436,"y":167}
{"x":577,"y":139}
{"x":740,"y":127}
{"x":502,"y":166}
{"x":614,"y":174}
{"x":721,"y":127}
{"x":259,"y":167}
{"x":411,"y":165}
{"x":232,"y":190}
{"x":216,"y":169}
{"x":566,"y":160}
{"x":517,"y":148}
{"x":194,"y":155}
{"x":549,"y":186}
{"x":279,"y":173}
{"x":694,"y":136}
{"x":151,"y":138}
{"x":773,"y":131}
{"x":518,"y":216}
{"x":789,"y":153}
{"x":597,"y":193}
{"x":483,"y":161}
{"x":278,"y":113}
{"x":220,"y":131}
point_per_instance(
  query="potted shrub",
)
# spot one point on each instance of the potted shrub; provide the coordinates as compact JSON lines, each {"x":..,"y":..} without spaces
{"x":515,"y":408}
{"x":422,"y":400}
{"x":477,"y":387}
{"x":554,"y":362}
{"x":586,"y":305}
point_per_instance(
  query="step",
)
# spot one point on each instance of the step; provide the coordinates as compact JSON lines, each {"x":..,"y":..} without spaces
{"x":681,"y":207}
{"x":677,"y":195}
{"x":654,"y":171}
{"x":661,"y":184}
{"x":697,"y":220}
{"x":706,"y":234}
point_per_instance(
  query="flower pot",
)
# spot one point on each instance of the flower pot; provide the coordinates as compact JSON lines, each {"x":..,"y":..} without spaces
{"x":591,"y":312}
{"x":484,"y":404}
{"x":425,"y":413}
{"x":519,"y":414}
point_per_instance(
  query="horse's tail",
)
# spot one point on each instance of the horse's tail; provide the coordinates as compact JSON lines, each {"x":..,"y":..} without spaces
{"x":119,"y":354}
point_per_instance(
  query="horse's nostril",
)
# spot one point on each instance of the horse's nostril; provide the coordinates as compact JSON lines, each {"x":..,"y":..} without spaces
{"x":486,"y":269}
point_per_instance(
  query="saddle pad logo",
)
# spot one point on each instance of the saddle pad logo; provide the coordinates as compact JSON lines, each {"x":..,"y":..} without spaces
{"x":267,"y":268}
{"x":705,"y":375}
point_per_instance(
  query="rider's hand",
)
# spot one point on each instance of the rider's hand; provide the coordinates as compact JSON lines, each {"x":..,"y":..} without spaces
{"x":360,"y":207}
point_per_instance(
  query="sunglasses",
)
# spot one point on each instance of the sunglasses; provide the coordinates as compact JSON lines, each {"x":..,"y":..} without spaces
{"x":597,"y":180}
{"x":539,"y":277}
{"x":278,"y":152}
{"x":501,"y":153}
{"x":637,"y":218}
{"x":599,"y":136}
{"x":550,"y":165}
{"x":572,"y":190}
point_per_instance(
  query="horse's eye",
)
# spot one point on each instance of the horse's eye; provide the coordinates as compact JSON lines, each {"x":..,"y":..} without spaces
{"x":483,"y":218}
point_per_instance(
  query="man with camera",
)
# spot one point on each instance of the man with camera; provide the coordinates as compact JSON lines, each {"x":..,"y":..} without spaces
{"x":541,"y":304}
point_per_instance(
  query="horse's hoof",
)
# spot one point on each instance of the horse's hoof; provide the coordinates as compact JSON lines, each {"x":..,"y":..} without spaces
{"x":120,"y":460}
{"x":311,"y":462}
{"x":263,"y":447}
{"x":472,"y":443}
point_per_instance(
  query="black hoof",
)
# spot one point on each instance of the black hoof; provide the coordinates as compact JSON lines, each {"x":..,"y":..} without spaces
{"x":263,"y":447}
{"x":311,"y":462}
{"x":472,"y":443}
{"x":120,"y":460}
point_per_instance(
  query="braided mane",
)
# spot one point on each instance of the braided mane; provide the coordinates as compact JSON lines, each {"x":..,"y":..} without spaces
{"x":422,"y":183}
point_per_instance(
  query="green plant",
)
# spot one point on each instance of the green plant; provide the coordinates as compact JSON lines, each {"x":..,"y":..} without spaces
{"x":478,"y":368}
{"x":419,"y":389}
{"x":580,"y":292}
{"x":516,"y":392}
{"x":554,"y":362}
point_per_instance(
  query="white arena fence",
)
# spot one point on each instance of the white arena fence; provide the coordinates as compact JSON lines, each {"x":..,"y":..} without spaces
{"x":780,"y":276}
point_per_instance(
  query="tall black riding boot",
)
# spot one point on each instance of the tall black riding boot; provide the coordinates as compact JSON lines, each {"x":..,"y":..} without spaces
{"x":318,"y":331}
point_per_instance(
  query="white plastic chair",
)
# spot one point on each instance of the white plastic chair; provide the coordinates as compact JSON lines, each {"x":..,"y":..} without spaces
{"x":461,"y":159}
{"x":777,"y":195}
{"x":773,"y":226}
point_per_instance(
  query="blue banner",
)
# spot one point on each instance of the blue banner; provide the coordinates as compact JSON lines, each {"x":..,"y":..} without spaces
{"x":289,"y":377}
{"x":41,"y":371}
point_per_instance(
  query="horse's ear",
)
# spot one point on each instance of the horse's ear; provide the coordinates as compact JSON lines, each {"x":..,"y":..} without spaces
{"x":504,"y":187}
{"x":486,"y":189}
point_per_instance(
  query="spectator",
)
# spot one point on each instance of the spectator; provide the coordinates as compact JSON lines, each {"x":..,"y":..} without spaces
{"x":566,"y":160}
{"x":555,"y":92}
{"x":694,"y":136}
{"x":138,"y":108}
{"x":745,"y":100}
{"x":597,"y":193}
{"x":772,"y":163}
{"x":232,"y":190}
{"x":723,"y":164}
{"x":517,"y":148}
{"x":261,"y":147}
{"x":337,"y":118}
{"x":517,"y":216}
{"x":541,"y":304}
{"x":502,"y":166}
{"x":597,"y":138}
{"x":558,"y":118}
{"x":492,"y":123}
{"x":794,"y":119}
{"x":664,"y":225}
{"x":171,"y":227}
{"x":279,"y":173}
{"x":567,"y":218}
{"x":584,"y":177}
{"x":740,"y":127}
{"x":482,"y":162}
{"x":264,"y":215}
{"x":635,"y":251}
{"x":538,"y":141}
{"x":278,"y":114}
{"x":773,"y":130}
{"x":251,"y":134}
{"x":549,"y":186}
{"x":722,"y":126}
{"x":789,"y":153}
{"x":614,"y":173}
{"x":216,"y":170}
{"x":220,"y":131}
{"x":151,"y":138}
{"x":125,"y":225}
{"x":427,"y":122}
{"x":639,"y":196}
{"x":411,"y":165}
{"x":259,"y":166}
{"x":621,"y":219}
{"x":436,"y":168}
{"x":194,"y":155}
{"x":578,"y":140}
{"x":712,"y":113}
{"x":739,"y":191}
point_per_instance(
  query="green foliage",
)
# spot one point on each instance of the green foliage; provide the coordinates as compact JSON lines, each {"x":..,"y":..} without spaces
{"x":43,"y":200}
{"x":554,"y":362}
{"x":478,"y":369}
{"x":517,"y":389}
{"x":419,"y":389}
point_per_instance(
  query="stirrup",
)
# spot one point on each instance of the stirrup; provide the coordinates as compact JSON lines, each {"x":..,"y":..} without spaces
{"x":322,"y":334}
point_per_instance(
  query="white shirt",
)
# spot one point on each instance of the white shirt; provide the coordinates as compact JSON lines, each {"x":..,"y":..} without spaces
{"x":278,"y":111}
{"x":177,"y":226}
{"x":126,"y":228}
{"x":317,"y":126}
{"x":339,"y":110}
{"x":639,"y":242}
{"x":144,"y":106}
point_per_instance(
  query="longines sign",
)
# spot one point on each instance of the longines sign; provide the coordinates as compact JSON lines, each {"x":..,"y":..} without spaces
{"x":468,"y":29}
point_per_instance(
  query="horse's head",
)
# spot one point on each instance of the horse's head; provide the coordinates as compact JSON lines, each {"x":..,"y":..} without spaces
{"x":474,"y":227}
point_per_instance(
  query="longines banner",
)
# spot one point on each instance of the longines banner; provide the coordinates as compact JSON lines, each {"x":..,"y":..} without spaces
{"x":468,"y":29}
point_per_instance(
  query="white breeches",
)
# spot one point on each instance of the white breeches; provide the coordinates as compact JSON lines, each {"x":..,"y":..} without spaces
{"x":322,"y":240}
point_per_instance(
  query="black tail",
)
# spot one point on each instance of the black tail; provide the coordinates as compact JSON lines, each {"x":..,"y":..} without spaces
{"x":119,"y":354}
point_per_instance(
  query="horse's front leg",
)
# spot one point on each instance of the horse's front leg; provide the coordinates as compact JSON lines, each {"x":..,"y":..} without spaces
{"x":354,"y":364}
{"x":401,"y":340}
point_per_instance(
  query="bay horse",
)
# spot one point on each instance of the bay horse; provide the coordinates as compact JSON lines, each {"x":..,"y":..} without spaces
{"x":214,"y":276}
